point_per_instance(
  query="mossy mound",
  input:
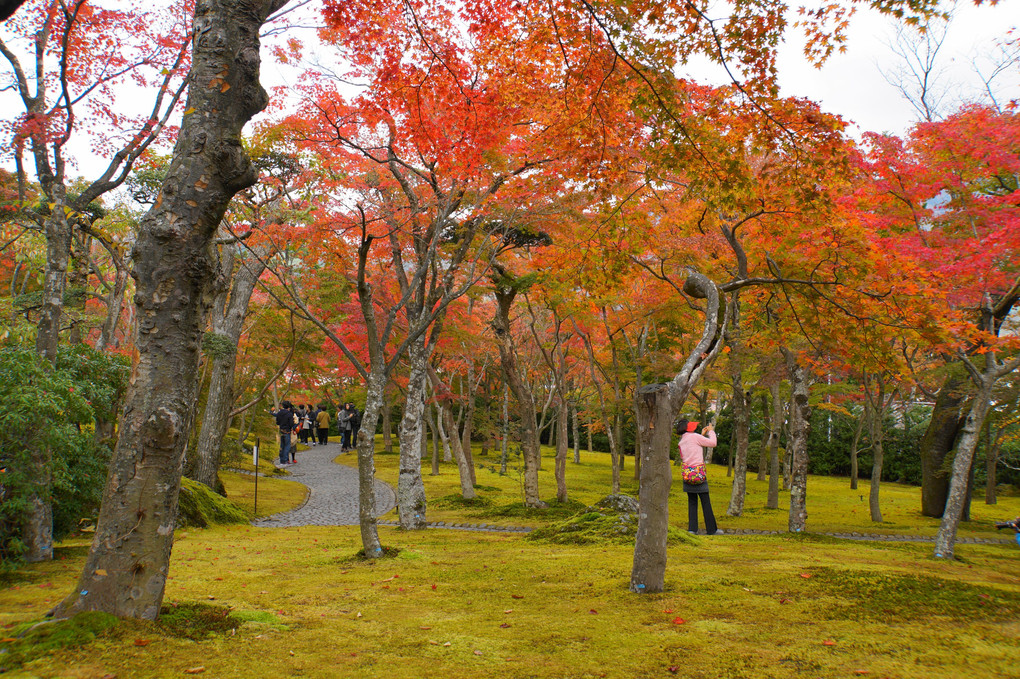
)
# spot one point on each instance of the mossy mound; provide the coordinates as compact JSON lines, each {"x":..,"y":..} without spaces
{"x":195,"y":621}
{"x":456,"y":500}
{"x":200,"y":507}
{"x":43,"y":638}
{"x":613,"y":519}
{"x":516,"y":510}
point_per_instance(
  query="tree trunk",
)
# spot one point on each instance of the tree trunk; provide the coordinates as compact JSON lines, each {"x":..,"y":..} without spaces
{"x":936,"y":446}
{"x":876,"y":434}
{"x":387,"y":426}
{"x":506,"y":430}
{"x":37,"y":530}
{"x":659,"y":405}
{"x":587,"y":428}
{"x":854,"y":451}
{"x":114,"y":303}
{"x":741,"y":434}
{"x":126,"y":569}
{"x":525,"y":399}
{"x":376,"y":385}
{"x":561,"y":451}
{"x":577,"y":439}
{"x":469,"y":410}
{"x":58,"y":255}
{"x":227,"y":324}
{"x":433,"y":427}
{"x":411,"y":501}
{"x":617,"y":434}
{"x":800,"y":421}
{"x":655,"y":413}
{"x":765,"y":440}
{"x":777,"y":426}
{"x":991,"y":464}
{"x":467,"y":487}
{"x":945,"y":540}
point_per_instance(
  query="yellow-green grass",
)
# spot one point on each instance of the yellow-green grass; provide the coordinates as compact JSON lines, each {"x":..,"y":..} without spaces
{"x":832,"y":507}
{"x":275,"y":494}
{"x":456,"y":604}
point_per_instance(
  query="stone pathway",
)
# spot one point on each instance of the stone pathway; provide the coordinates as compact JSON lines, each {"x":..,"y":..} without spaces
{"x":332,"y":492}
{"x":333,"y":501}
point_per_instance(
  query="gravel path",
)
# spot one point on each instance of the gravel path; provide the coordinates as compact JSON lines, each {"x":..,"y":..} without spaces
{"x":332,"y":492}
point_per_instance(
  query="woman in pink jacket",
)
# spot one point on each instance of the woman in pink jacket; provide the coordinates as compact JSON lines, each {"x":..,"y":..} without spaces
{"x":692,"y":459}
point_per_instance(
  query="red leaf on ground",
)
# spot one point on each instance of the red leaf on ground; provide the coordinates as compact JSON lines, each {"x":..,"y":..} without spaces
{"x":593,"y":611}
{"x":805,"y":575}
{"x":516,"y":596}
{"x":672,"y":669}
{"x":433,"y":586}
{"x":828,"y":642}
{"x":678,"y":620}
{"x":143,"y":642}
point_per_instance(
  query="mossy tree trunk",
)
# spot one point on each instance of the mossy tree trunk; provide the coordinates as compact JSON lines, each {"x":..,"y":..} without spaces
{"x":173,"y":265}
{"x":226,"y":326}
{"x":741,"y":434}
{"x":444,"y":395}
{"x":763,"y":448}
{"x":411,"y":502}
{"x":775,"y":429}
{"x":505,"y":295}
{"x":659,"y":406}
{"x":800,"y":421}
{"x":936,"y":447}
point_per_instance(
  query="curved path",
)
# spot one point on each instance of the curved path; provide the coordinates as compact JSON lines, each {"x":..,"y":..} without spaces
{"x":332,"y":492}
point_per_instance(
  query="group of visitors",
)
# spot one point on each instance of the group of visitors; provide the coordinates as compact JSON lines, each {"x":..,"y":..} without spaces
{"x":312,"y":427}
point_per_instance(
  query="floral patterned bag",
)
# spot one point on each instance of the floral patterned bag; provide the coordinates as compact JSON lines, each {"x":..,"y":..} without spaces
{"x":694,"y":474}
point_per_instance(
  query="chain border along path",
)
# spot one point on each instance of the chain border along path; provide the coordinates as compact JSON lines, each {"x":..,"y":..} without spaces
{"x":333,"y":501}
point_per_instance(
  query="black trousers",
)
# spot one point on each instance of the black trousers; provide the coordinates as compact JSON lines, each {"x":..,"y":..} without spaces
{"x":323,"y":436}
{"x":706,"y":509}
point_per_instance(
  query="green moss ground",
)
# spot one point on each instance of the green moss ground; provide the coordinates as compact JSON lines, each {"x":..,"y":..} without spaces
{"x":832,"y":507}
{"x":458,"y":604}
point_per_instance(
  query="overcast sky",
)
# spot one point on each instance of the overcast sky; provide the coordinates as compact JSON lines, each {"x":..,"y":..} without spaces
{"x":850,"y":84}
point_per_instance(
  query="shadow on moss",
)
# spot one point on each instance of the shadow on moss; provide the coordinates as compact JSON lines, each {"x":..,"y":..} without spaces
{"x":876,"y":596}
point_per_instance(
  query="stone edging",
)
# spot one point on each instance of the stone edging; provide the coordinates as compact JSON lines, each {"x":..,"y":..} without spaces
{"x":736,"y":531}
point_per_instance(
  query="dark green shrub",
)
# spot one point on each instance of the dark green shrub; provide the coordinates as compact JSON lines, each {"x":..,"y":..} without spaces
{"x":55,"y":409}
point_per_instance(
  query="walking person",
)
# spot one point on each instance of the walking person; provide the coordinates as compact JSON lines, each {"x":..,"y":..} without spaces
{"x":355,"y":424}
{"x":302,"y":433}
{"x":343,"y":421}
{"x":692,"y":458}
{"x":285,"y":422}
{"x":308,"y":425}
{"x":322,"y":425}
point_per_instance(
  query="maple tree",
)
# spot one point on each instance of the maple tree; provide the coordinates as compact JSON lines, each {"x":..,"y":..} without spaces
{"x":126,"y":569}
{"x":461,"y":102}
{"x":948,"y":205}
